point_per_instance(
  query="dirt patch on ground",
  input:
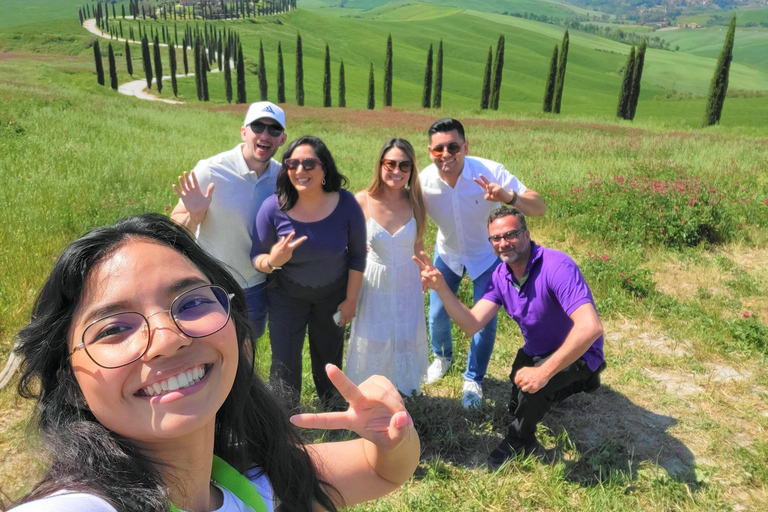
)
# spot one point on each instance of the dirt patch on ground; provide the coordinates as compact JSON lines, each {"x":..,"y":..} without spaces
{"x":36,"y":56}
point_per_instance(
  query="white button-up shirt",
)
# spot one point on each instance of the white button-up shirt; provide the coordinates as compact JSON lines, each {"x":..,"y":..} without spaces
{"x":461,"y":213}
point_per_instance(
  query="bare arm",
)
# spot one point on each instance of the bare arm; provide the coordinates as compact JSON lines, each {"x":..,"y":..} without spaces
{"x":586,"y":329}
{"x":530,"y":202}
{"x":348,"y":307}
{"x":469,"y":320}
{"x":386,"y":455}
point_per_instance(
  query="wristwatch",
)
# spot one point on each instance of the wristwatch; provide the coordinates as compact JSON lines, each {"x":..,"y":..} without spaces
{"x":271,"y":268}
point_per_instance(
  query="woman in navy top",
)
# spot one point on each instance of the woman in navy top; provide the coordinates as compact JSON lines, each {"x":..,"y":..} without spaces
{"x":310,"y":237}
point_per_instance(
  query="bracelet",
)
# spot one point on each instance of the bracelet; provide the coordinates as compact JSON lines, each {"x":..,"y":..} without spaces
{"x":514,"y":199}
{"x":271,"y":268}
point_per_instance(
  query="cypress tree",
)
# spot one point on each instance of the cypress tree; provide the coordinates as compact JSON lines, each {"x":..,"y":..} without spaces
{"x":485,"y":96}
{"x":342,"y":86}
{"x":128,"y":63}
{"x":120,"y":22}
{"x":158,"y":65}
{"x":227,"y":74}
{"x":112,"y":68}
{"x":172,"y":59}
{"x":438,"y":100}
{"x":198,"y":71}
{"x":280,"y":75}
{"x":549,"y":90}
{"x":204,"y":75}
{"x":184,"y":56}
{"x":498,"y":66}
{"x":636,"y":77}
{"x":99,"y":64}
{"x":719,"y":85}
{"x":388,"y":73}
{"x":327,"y":78}
{"x":371,"y":98}
{"x":145,"y":56}
{"x":299,"y":72}
{"x":262,"y":73}
{"x":622,"y":110}
{"x":220,"y":53}
{"x":240,"y":75}
{"x":562,"y":62}
{"x":426,"y":96}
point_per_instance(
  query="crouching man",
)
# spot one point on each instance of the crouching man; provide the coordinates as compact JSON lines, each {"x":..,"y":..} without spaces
{"x":544,"y":291}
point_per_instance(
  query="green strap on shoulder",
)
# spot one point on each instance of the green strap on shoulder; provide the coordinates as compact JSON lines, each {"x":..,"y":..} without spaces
{"x":231,"y":479}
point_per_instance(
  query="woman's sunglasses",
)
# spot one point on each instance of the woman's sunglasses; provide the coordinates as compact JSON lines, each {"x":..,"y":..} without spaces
{"x":405,"y":166}
{"x":307,"y":163}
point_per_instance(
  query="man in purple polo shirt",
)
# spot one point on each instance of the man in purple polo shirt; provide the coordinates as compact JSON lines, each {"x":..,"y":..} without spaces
{"x":545,"y":293}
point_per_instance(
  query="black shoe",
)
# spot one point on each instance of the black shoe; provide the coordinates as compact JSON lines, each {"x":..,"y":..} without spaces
{"x":509,"y":448}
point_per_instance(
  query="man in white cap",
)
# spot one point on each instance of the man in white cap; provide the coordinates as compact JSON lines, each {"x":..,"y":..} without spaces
{"x":219,"y":200}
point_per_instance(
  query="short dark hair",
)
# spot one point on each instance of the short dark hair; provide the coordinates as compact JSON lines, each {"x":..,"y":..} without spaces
{"x":287,"y":194}
{"x":505,"y":211}
{"x":446,"y":124}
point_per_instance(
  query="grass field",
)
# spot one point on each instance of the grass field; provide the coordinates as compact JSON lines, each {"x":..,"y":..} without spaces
{"x":680,"y":421}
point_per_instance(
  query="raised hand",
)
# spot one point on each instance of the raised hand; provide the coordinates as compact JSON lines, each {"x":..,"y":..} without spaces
{"x":282,"y":251}
{"x":494,"y":192}
{"x":376,"y":411}
{"x":195,"y":201}
{"x":430,"y":276}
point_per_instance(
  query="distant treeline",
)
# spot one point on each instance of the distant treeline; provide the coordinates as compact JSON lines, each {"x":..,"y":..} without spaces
{"x":615,"y":34}
{"x":204,"y":9}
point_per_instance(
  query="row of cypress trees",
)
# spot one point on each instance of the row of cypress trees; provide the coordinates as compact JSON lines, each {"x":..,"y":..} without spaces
{"x":553,"y":91}
{"x":204,"y":9}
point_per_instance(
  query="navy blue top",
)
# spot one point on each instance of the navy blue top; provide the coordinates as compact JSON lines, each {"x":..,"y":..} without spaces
{"x":334,"y":245}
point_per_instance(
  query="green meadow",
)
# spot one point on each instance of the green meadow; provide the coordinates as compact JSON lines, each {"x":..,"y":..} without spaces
{"x":666,"y":219}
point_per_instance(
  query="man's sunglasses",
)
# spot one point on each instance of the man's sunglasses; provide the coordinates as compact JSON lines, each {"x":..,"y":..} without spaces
{"x":274,"y":130}
{"x":453,"y":148}
{"x":509,"y":236}
{"x":405,"y":166}
{"x":307,"y":163}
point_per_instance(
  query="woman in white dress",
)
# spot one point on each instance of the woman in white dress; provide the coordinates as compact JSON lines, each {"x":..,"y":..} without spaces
{"x":389,"y":335}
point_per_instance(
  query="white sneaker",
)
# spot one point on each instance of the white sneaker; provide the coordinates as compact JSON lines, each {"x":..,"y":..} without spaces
{"x":473,"y":394}
{"x":437,"y":369}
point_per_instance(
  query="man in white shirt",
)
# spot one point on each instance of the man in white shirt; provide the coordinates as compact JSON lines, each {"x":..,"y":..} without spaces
{"x":460,"y":192}
{"x":219,"y":200}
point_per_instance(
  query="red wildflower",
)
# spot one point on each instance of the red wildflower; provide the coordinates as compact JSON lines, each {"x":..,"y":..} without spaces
{"x":622,"y":274}
{"x":746,"y":314}
{"x":167,"y":207}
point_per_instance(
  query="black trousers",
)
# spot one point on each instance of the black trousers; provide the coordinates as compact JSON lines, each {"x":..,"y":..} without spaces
{"x":530,"y":408}
{"x":293,"y":310}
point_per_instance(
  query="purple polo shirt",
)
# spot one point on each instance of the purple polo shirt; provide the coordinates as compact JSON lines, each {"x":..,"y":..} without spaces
{"x":541,"y":306}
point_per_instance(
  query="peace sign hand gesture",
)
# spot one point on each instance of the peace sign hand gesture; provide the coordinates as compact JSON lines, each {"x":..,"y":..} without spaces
{"x":430,"y":276}
{"x":495,"y":192}
{"x":195,"y":201}
{"x":376,"y":411}
{"x":282,"y":251}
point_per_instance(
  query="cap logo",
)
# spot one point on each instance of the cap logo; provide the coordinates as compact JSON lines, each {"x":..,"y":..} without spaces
{"x":268,"y":109}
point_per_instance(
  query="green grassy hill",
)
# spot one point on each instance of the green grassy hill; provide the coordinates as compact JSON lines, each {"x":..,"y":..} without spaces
{"x":592,"y":82}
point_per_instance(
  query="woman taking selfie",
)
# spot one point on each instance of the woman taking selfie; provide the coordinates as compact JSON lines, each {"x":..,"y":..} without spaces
{"x":389,"y":335}
{"x":139,"y":356}
{"x":310,"y":237}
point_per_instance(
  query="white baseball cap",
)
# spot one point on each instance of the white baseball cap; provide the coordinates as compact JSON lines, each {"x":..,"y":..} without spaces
{"x":264,"y":109}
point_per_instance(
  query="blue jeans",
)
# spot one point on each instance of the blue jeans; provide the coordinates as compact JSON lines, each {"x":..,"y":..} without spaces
{"x":440,"y":323}
{"x":256,"y":300}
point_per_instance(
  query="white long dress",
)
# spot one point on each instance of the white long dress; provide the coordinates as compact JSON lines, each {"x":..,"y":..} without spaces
{"x":389,"y":335}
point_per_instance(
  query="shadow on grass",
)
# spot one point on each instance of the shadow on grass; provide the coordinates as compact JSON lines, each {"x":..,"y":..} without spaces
{"x":596,"y":435}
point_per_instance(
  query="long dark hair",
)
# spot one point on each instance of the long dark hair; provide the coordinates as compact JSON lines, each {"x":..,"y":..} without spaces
{"x":252,"y":429}
{"x":287,"y":195}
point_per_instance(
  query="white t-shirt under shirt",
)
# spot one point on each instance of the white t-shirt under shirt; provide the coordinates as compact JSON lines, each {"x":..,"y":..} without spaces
{"x":226,"y":232}
{"x":461,"y":213}
{"x":81,"y":502}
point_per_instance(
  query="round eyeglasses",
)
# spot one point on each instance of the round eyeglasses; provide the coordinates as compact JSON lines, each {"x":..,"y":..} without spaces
{"x":123,"y":338}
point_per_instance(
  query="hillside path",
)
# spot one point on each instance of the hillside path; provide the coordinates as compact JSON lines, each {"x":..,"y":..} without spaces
{"x":138,"y":88}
